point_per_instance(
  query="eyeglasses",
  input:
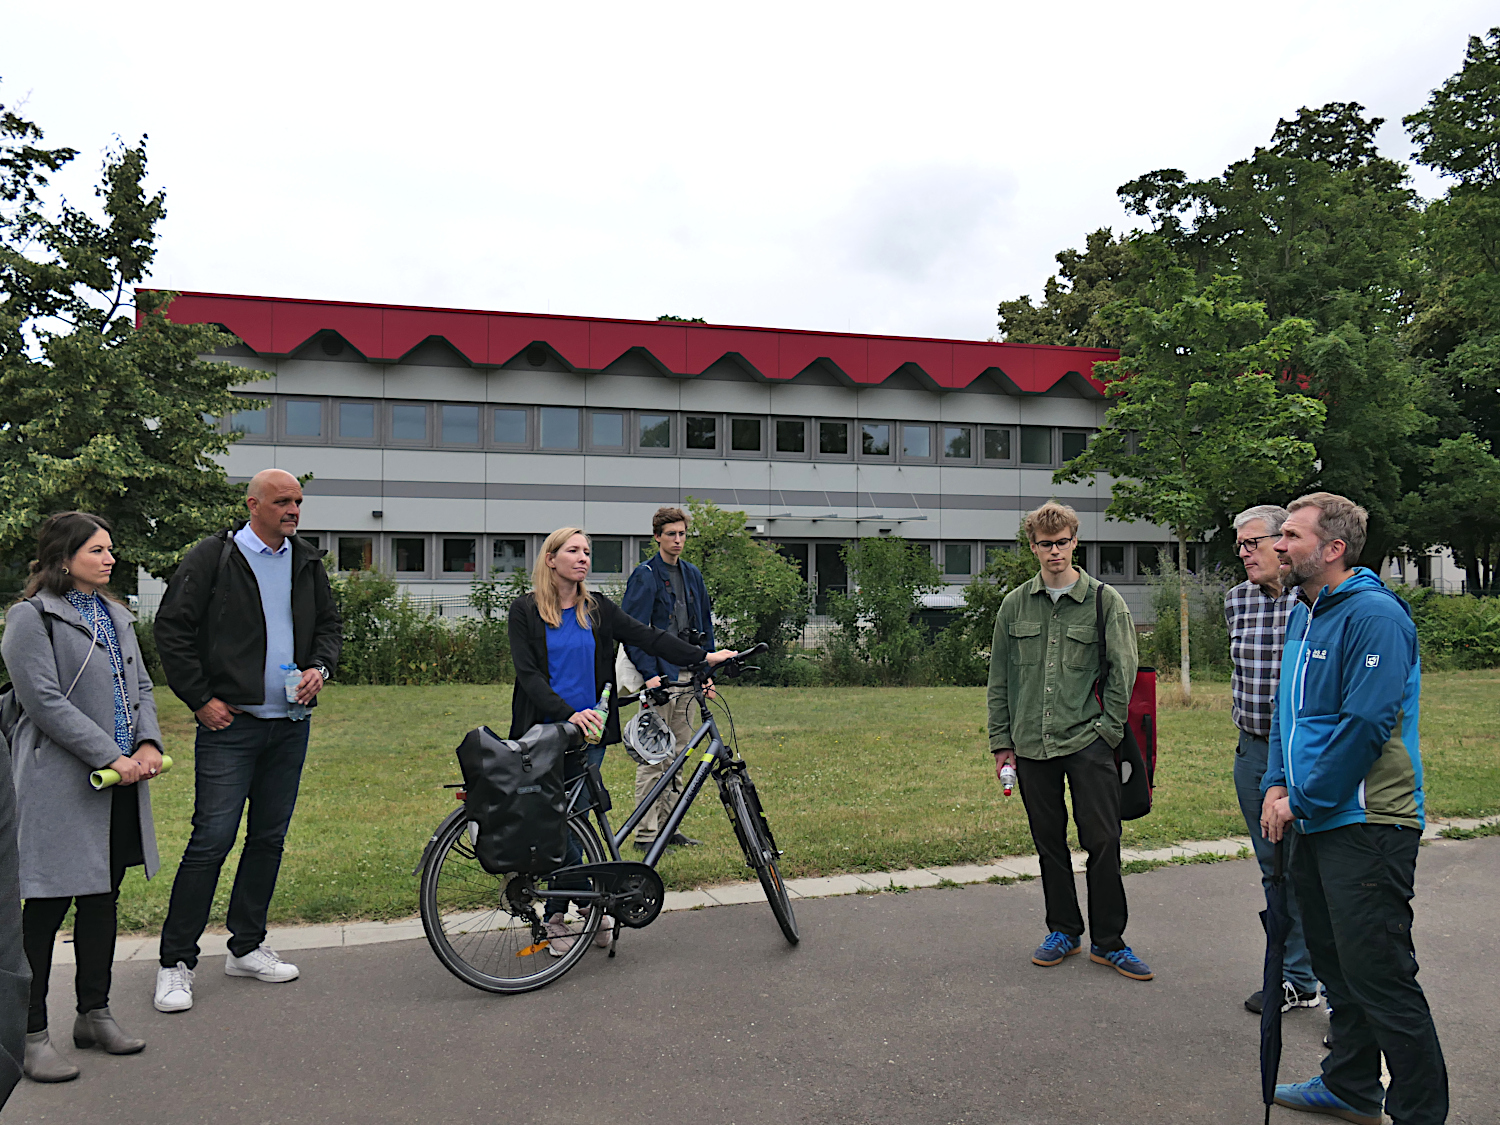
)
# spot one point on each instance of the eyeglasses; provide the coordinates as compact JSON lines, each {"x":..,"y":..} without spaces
{"x":1048,"y":544}
{"x":1250,"y":546}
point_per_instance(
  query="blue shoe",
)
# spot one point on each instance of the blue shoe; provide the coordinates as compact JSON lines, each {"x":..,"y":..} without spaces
{"x":1054,"y":948}
{"x":1122,"y":961}
{"x":1314,"y":1097}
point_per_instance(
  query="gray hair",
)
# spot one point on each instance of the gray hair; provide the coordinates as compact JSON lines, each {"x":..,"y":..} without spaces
{"x":1272,"y":515}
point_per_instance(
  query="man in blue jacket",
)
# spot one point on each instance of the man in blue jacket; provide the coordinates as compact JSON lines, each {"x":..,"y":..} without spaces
{"x":1343,"y":784}
{"x":668,"y":592}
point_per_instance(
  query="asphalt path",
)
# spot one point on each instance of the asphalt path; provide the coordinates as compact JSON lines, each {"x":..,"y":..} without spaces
{"x":909,"y":1008}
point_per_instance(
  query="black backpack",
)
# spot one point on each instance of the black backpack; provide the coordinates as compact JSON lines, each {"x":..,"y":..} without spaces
{"x":515,"y":794}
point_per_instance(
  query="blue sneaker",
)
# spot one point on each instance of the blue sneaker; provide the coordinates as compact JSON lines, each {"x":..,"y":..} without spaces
{"x":1122,"y":961}
{"x":1314,"y":1097}
{"x":1055,"y":946}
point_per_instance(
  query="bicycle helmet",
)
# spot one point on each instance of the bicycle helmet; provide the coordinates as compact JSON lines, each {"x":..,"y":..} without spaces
{"x":648,"y":739}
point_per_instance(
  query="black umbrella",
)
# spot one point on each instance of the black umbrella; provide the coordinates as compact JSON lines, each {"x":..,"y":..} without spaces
{"x":1277,"y":923}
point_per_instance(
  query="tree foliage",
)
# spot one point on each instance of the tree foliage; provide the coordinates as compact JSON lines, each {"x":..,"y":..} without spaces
{"x":877,"y":618}
{"x":99,"y":409}
{"x":757,"y":594}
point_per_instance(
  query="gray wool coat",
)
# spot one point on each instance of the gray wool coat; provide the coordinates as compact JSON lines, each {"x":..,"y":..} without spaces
{"x":62,"y":822}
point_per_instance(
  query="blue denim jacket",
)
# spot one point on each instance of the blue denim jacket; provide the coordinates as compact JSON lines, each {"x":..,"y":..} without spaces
{"x":649,"y":598}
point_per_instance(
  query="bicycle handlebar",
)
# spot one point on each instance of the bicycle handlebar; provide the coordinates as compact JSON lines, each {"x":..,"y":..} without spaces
{"x":701,"y":671}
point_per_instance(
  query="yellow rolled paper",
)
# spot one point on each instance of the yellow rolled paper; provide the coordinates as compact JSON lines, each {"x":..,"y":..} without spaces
{"x":103,"y":779}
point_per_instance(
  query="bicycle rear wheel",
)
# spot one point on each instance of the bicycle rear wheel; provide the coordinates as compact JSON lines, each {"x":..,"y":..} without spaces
{"x":487,"y":929}
{"x":749,"y":820}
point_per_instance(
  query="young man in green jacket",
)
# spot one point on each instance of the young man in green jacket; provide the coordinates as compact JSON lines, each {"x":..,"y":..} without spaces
{"x":1046,"y":722}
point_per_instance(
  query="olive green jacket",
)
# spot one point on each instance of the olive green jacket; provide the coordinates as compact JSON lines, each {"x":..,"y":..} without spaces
{"x":1043,"y":664}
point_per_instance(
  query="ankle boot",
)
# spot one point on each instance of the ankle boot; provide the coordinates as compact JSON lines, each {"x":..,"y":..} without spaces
{"x":99,"y":1027}
{"x":43,"y":1063}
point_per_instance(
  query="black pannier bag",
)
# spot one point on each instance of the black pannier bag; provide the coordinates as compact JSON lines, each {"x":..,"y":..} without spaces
{"x":515,"y":794}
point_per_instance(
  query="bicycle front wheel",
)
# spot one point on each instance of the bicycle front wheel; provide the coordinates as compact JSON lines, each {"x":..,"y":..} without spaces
{"x":743,"y":805}
{"x":487,"y":929}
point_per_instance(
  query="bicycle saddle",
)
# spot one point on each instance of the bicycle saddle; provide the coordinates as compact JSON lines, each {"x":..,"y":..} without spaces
{"x":648,"y":739}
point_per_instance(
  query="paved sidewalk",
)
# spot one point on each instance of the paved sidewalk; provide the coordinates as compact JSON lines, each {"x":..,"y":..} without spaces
{"x":1021,"y":867}
{"x":897,"y":1009}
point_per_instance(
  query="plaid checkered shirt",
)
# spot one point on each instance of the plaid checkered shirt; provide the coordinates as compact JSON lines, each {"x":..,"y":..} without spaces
{"x":1257,"y":634}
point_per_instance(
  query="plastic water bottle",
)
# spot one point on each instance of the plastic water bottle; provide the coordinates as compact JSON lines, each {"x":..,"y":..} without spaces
{"x":602,"y":710}
{"x":1008,"y":778}
{"x":294,"y":710}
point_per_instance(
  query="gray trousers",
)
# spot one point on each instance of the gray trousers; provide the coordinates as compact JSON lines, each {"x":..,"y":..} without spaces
{"x":679,"y":716}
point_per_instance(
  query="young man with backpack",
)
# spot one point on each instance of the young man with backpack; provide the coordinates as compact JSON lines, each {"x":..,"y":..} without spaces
{"x":1046,"y":722}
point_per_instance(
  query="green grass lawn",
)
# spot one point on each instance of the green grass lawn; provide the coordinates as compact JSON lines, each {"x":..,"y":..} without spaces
{"x":860,"y":779}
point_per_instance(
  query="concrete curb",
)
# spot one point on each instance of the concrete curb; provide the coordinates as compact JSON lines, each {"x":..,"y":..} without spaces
{"x":1010,"y":869}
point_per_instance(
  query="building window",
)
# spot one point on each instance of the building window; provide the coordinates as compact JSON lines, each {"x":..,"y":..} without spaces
{"x":796,"y":554}
{"x":357,"y":421}
{"x":957,"y":444}
{"x":609,"y":556}
{"x":510,"y":426}
{"x":606,"y":430}
{"x":252,"y":423}
{"x":409,"y":556}
{"x":791,"y":435}
{"x":702,"y":432}
{"x":460,"y":425}
{"x":875,"y":439}
{"x":1036,"y":445}
{"x":460,"y":556}
{"x":744,"y":435}
{"x":304,"y":418}
{"x":958,"y":558}
{"x":647,"y":549}
{"x":916,"y":442}
{"x":1074,"y":442}
{"x":356,"y":552}
{"x":997,"y":443}
{"x":507,"y":556}
{"x":833,"y":439}
{"x":559,"y":427}
{"x":1148,"y":559}
{"x":655,"y":431}
{"x":408,"y":422}
{"x":1111,"y":560}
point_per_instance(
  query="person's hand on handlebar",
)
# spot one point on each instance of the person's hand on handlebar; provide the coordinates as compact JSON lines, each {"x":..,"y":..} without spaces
{"x":590,"y":722}
{"x":722,"y":655}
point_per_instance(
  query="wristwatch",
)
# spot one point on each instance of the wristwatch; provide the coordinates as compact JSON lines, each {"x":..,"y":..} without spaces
{"x":324,"y":672}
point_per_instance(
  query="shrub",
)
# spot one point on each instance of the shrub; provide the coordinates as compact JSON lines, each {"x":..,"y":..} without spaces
{"x":1208,"y":637}
{"x":1454,"y":631}
{"x":876,"y":621}
{"x":960,"y":654}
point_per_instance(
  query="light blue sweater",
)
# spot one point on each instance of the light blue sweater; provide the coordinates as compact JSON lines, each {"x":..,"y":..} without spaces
{"x":273,"y":574}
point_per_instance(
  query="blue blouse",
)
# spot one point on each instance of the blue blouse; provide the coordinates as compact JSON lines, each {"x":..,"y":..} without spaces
{"x":96,"y":619}
{"x":570,"y":663}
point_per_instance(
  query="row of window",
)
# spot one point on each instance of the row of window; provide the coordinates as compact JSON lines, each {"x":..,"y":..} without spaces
{"x":466,"y":557}
{"x":572,"y":429}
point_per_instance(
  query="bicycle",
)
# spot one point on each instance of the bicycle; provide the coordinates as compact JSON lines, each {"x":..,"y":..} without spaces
{"x":489,"y":930}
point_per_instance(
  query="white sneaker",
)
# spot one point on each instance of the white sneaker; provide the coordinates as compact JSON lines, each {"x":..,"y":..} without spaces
{"x":174,"y":988}
{"x":262,"y":964}
{"x":560,"y":935}
{"x":605,"y":933}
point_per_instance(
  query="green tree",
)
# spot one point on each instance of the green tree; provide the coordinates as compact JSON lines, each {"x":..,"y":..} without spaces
{"x":1197,"y":426}
{"x":757,"y":595}
{"x":1073,"y":297}
{"x":877,"y":618}
{"x":99,"y":409}
{"x":1458,"y":507}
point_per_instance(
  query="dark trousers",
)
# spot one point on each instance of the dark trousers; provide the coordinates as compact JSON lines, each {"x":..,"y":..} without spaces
{"x":1249,"y":767}
{"x":94,"y":925}
{"x":252,"y":760}
{"x":1092,"y":779}
{"x":573,"y":766}
{"x":1355,"y":886}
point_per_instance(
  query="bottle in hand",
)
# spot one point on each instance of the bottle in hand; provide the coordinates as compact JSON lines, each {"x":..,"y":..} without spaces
{"x":602,"y":710}
{"x":1008,"y":779}
{"x":294,"y":710}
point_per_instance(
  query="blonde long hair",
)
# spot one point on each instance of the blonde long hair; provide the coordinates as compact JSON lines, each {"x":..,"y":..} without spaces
{"x":542,"y":584}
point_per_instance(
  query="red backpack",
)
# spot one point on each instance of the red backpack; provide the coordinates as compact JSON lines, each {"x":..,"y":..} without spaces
{"x":1135,"y":757}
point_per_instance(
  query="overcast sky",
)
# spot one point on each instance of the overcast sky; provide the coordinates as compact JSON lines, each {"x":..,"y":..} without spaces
{"x":868,"y":167}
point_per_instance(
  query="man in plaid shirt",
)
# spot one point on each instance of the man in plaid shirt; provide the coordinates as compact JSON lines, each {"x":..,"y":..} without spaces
{"x":1256,"y":613}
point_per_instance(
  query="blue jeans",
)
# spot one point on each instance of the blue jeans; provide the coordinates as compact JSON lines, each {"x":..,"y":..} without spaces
{"x":1249,"y":768}
{"x":575,"y":765}
{"x":254,"y":760}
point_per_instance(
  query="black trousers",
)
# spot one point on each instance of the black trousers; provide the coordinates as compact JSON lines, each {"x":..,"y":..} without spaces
{"x":94,"y":922}
{"x":1091,"y":777}
{"x":1355,"y":888}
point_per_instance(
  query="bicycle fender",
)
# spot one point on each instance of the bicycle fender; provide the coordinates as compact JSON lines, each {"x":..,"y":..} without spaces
{"x":441,"y":828}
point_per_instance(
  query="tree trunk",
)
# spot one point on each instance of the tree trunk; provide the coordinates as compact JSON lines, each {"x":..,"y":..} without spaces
{"x":1182,"y":608}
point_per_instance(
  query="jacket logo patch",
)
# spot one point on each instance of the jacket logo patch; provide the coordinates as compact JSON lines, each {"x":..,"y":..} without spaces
{"x":1372,"y":660}
{"x":1320,"y":654}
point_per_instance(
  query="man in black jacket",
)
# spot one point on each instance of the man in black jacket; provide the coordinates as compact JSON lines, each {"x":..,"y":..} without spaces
{"x":245,"y":605}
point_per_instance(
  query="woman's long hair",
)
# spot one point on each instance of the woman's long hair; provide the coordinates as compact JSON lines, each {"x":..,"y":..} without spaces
{"x":60,"y":537}
{"x":547,"y":602}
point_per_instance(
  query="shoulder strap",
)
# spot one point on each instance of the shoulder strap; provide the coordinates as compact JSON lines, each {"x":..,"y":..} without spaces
{"x":36,"y":604}
{"x":1099,"y":589}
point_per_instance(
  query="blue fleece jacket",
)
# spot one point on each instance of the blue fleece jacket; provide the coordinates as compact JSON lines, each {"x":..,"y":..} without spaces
{"x":1344,"y":729}
{"x":649,"y":598}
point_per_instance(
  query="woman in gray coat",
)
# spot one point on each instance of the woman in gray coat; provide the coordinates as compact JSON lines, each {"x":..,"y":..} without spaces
{"x":86,"y":704}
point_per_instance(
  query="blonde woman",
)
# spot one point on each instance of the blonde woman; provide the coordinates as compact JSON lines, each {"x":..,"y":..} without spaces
{"x":562,"y":640}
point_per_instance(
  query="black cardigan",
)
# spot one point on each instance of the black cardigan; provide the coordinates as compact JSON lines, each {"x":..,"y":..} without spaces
{"x":533,"y":697}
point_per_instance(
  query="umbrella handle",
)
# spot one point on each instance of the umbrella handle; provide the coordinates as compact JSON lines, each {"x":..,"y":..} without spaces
{"x":1279,"y":864}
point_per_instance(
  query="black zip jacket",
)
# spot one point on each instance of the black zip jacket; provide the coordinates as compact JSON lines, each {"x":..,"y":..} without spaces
{"x":534,"y":698}
{"x":211,"y":631}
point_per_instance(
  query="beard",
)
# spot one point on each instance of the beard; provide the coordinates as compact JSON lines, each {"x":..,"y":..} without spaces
{"x":1299,"y":574}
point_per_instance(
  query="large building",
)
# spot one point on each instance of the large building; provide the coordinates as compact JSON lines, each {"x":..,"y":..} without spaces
{"x":445,"y":444}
